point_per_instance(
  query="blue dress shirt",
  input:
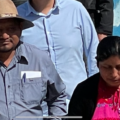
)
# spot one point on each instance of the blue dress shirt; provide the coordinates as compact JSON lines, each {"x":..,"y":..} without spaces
{"x":29,"y":79}
{"x":66,"y":32}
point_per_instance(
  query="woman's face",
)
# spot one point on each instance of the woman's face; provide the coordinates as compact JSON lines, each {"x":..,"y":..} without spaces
{"x":110,"y":70}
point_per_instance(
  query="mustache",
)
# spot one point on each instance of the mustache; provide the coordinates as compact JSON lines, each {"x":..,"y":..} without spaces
{"x":8,"y":39}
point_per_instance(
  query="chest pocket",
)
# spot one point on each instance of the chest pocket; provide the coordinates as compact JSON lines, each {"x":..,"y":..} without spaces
{"x":31,"y":90}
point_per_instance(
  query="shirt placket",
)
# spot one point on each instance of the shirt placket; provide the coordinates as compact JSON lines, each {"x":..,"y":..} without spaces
{"x":49,"y":38}
{"x":8,"y":92}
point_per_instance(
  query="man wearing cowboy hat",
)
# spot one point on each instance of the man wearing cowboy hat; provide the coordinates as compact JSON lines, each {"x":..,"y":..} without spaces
{"x":27,"y":75}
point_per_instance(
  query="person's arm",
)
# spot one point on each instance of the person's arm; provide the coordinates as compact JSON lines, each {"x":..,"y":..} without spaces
{"x":105,"y":27}
{"x":56,"y":97}
{"x":90,"y":40}
{"x":101,"y":36}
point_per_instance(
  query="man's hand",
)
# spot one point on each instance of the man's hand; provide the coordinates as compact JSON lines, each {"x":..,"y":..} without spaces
{"x":101,"y":36}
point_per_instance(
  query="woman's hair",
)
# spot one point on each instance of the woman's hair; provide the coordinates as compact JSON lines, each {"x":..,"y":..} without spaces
{"x":109,"y":46}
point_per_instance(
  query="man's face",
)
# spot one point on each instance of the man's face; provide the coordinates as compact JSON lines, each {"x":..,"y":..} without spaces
{"x":10,"y":32}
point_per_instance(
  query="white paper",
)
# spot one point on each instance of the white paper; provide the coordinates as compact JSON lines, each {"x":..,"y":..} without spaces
{"x":31,"y":74}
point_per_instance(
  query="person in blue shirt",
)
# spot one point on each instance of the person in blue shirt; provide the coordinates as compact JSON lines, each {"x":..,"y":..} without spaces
{"x":64,"y":29}
{"x":27,"y":74}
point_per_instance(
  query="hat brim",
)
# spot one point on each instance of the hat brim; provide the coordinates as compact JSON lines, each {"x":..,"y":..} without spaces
{"x":26,"y":23}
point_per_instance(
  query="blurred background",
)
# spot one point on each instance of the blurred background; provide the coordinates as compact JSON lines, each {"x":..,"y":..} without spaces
{"x":116,"y":29}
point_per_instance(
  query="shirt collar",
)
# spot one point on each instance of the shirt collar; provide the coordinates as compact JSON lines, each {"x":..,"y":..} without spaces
{"x":32,"y":10}
{"x":57,"y":4}
{"x":20,"y":53}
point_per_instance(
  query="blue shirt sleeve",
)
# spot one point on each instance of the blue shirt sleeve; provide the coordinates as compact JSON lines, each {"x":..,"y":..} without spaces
{"x":90,"y":41}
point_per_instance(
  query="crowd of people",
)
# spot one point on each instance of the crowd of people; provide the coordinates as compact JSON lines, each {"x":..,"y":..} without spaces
{"x":58,"y":58}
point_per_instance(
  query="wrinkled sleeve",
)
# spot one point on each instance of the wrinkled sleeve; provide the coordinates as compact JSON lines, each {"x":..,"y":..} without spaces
{"x":90,"y":41}
{"x":106,"y":16}
{"x":55,"y":97}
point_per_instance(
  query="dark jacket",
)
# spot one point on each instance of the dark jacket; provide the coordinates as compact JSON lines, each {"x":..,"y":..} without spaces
{"x":84,"y":99}
{"x":101,"y":12}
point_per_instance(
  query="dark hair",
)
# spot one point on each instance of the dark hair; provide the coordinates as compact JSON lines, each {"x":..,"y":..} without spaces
{"x":109,"y":46}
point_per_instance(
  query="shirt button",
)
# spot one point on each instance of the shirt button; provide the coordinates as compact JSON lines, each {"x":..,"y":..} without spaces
{"x":8,"y":86}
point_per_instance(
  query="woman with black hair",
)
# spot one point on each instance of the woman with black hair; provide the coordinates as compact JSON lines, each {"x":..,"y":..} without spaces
{"x":98,"y":97}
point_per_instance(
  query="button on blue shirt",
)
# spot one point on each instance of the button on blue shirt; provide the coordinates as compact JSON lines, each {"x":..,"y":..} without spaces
{"x":29,"y":79}
{"x":66,"y":32}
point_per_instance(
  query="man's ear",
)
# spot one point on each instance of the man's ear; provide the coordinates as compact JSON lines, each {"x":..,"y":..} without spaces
{"x":21,"y":26}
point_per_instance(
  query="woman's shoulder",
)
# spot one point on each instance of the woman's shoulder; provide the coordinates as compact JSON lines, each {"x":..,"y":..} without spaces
{"x":89,"y":81}
{"x":88,"y":86}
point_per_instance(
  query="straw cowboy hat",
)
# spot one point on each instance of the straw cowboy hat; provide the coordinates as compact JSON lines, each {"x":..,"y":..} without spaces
{"x":8,"y":10}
